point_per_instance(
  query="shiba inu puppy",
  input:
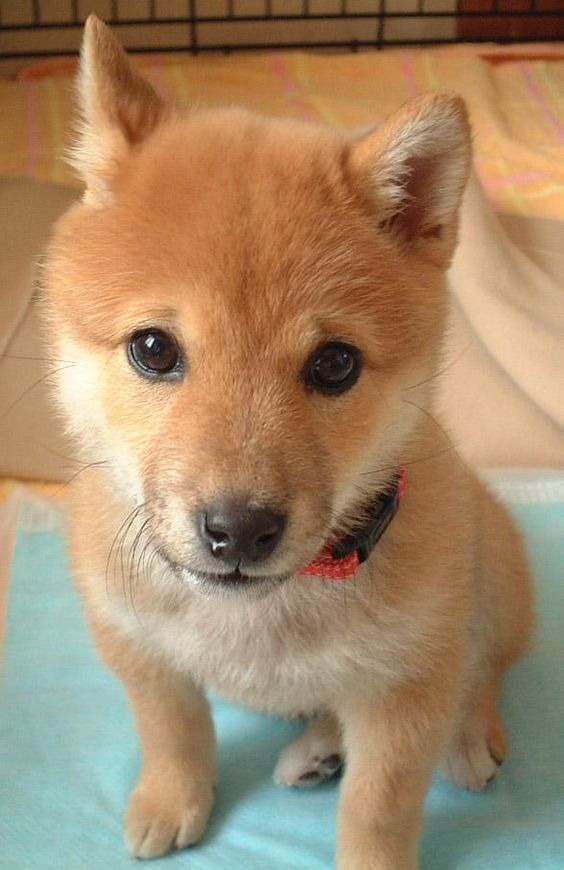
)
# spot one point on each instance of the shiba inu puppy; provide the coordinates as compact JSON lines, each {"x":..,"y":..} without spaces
{"x":252,"y":310}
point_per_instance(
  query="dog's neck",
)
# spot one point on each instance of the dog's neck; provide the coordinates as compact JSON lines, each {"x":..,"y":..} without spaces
{"x":341,"y":559}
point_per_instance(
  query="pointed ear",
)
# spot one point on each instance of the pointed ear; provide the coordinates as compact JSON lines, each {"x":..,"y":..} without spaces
{"x":119,"y":109}
{"x":414,"y":170}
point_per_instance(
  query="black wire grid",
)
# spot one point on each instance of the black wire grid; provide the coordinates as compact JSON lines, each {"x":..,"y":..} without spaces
{"x":509,"y":18}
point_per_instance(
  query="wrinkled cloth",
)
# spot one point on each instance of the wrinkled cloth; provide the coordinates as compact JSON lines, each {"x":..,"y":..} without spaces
{"x":501,"y":391}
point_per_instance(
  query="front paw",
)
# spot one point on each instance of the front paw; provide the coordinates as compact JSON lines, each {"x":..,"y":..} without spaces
{"x":166,"y":813}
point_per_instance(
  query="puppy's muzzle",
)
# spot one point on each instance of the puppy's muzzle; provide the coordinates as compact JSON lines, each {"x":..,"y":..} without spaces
{"x":238,"y":533}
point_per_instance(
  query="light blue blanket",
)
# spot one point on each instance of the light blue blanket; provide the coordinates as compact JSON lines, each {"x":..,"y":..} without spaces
{"x":68,"y":754}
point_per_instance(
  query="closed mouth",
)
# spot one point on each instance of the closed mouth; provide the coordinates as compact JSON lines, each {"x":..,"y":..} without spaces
{"x":236,"y":579}
{"x":230,"y":580}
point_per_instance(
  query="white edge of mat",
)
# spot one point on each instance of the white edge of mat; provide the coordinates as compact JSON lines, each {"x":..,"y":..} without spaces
{"x":526,"y":485}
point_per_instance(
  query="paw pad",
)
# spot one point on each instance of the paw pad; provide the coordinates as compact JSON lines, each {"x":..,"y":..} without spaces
{"x":325,"y":768}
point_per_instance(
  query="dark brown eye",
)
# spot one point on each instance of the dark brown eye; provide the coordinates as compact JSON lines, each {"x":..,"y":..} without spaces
{"x":334,"y":368}
{"x":154,"y":352}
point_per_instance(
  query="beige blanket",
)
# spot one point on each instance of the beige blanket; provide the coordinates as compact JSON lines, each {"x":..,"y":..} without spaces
{"x":503,"y":395}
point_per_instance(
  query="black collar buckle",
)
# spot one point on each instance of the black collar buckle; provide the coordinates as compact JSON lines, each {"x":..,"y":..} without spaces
{"x":379,"y":516}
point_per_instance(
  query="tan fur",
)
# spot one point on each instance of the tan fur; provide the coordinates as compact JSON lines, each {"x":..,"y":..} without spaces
{"x":253,"y":240}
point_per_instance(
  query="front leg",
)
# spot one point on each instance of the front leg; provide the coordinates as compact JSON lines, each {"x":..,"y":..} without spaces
{"x":391,"y":744}
{"x":172,"y":800}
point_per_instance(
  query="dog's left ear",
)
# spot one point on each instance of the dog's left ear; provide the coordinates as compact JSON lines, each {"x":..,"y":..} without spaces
{"x":413,"y":170}
{"x":119,"y":110}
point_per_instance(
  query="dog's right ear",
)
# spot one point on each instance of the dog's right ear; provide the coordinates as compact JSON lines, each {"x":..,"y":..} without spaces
{"x":119,"y":110}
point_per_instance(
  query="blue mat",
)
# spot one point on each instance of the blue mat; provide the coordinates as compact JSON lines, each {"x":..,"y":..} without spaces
{"x":69,"y":755}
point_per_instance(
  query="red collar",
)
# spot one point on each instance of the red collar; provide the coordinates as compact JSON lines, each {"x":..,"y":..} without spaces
{"x":340,"y":560}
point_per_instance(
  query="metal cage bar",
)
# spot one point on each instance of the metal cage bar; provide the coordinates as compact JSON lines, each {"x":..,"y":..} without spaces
{"x":378,"y":16}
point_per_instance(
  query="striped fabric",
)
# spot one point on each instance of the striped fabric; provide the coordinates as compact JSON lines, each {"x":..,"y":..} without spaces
{"x":516,"y":99}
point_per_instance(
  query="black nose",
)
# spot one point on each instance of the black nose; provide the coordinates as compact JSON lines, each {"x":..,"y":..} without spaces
{"x":234,"y":531}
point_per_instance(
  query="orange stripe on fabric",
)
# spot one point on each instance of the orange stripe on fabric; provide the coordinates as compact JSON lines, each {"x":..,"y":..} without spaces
{"x":540,"y":101}
{"x":283,"y":67}
{"x":549,"y":190}
{"x":176,"y":76}
{"x":511,"y":191}
{"x":556,"y":96}
{"x":159,"y":79}
{"x":430,"y":68}
{"x":408,"y":71}
{"x":320,"y":103}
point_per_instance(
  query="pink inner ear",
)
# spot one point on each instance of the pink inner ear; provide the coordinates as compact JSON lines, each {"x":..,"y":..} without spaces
{"x":417,"y":164}
{"x":416,"y":216}
{"x":139,"y":115}
{"x":411,"y":232}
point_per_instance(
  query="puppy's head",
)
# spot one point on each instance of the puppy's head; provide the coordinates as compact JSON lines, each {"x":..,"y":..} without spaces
{"x":245,"y":302}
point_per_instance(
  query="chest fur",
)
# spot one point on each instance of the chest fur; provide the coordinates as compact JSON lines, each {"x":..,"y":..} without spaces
{"x":287,"y":661}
